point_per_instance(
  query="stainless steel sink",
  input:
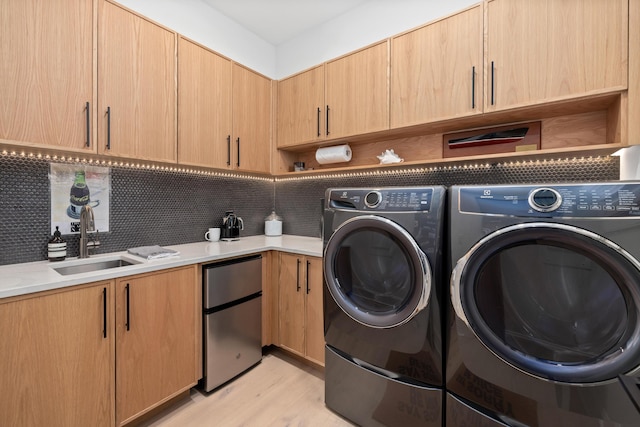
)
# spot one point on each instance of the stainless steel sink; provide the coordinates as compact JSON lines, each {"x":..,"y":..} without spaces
{"x":86,"y":265}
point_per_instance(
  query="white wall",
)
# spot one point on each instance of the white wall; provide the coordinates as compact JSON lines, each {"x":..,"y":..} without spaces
{"x":361,"y":26}
{"x":203,"y":24}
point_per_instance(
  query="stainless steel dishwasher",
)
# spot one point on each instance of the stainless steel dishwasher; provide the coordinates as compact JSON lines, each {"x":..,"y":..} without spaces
{"x":232,"y":321}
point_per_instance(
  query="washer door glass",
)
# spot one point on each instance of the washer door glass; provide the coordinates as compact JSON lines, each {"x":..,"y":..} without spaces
{"x":376,"y":272}
{"x":556,"y":301}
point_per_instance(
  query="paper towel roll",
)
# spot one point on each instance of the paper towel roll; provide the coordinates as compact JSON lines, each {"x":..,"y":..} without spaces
{"x":337,"y":154}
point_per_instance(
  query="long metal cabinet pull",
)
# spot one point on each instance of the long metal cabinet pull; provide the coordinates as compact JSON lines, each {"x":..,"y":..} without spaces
{"x":104,"y":312}
{"x":108,"y":128}
{"x":228,"y":150}
{"x":298,"y":277}
{"x":307,"y":277}
{"x":238,"y":153}
{"x":492,"y":82}
{"x":327,"y":123}
{"x":473,"y":87}
{"x":88,"y":118}
{"x":318,"y":120}
{"x":128,"y":323}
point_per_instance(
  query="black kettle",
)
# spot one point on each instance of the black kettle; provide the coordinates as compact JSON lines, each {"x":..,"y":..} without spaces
{"x":231,"y":226}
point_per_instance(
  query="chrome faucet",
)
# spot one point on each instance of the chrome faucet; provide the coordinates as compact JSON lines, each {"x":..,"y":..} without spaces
{"x":87,"y":223}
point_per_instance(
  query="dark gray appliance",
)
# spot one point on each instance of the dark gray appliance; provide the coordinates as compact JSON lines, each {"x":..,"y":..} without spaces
{"x":544,"y":325}
{"x":383,"y":305}
{"x":232,"y":321}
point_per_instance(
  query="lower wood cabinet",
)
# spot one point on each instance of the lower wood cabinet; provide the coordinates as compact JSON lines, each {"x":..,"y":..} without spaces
{"x":56,"y":358}
{"x":301,"y":327}
{"x":157,"y":339}
{"x":100,"y":354}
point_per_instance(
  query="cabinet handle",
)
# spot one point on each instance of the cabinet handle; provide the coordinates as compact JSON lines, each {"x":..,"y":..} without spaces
{"x":318,"y":120}
{"x":88,"y":118}
{"x":238,"y":153}
{"x":327,"y":123}
{"x":473,"y":88}
{"x":104,"y":312}
{"x":108,"y":128}
{"x":228,"y":150}
{"x":492,"y":82}
{"x":128,"y":323}
{"x":298,"y":277}
{"x":307,"y":277}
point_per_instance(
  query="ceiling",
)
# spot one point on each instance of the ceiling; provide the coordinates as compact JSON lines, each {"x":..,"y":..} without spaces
{"x":277,"y":21}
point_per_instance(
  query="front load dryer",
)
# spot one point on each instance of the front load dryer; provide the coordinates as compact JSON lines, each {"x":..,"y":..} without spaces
{"x":383,"y":303}
{"x":544,"y":322}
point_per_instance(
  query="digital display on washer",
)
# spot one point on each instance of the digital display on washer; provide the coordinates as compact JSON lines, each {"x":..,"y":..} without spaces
{"x":567,"y":200}
{"x":407,"y":200}
{"x":391,"y":199}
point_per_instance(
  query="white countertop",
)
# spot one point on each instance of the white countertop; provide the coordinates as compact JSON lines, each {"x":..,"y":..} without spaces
{"x":30,"y":277}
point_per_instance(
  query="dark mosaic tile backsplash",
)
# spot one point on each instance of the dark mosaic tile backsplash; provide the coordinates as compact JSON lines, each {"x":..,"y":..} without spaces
{"x":167,"y":208}
{"x":147,"y":208}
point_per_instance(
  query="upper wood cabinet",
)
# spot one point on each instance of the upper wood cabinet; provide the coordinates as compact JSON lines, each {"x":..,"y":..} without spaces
{"x":136,"y":86}
{"x":357,"y":92}
{"x":300,"y":116}
{"x":224,"y":112}
{"x":343,"y":97}
{"x":547,"y":50}
{"x":204,"y":107}
{"x":436,"y":70}
{"x":46,"y":73}
{"x":156,"y":331}
{"x":251,"y":145}
{"x":301,"y":326}
{"x":56,"y":358}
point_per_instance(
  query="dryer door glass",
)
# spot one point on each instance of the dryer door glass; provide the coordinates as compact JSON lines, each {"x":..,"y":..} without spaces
{"x":376,"y":272}
{"x":555,"y":303}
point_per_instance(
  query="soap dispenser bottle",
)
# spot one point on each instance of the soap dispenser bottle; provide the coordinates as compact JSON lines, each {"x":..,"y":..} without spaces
{"x":57,"y":247}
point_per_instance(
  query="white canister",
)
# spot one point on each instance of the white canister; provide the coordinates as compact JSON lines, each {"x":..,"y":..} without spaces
{"x":273,"y":225}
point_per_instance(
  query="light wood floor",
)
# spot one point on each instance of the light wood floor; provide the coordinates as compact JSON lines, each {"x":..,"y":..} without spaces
{"x":279,"y":391}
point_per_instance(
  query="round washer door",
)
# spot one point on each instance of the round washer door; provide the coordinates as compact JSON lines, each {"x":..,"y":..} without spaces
{"x":376,"y":272}
{"x":556,"y":301}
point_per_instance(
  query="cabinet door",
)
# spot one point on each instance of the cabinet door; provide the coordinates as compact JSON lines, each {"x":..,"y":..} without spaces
{"x":46,"y":72}
{"x":357,"y":92}
{"x":204,"y":107}
{"x":301,"y":108}
{"x":436,"y":70}
{"x":137,"y":85}
{"x":55,"y":360}
{"x":546,"y":50}
{"x":251,"y":121}
{"x":156,"y":339}
{"x":314,"y":333}
{"x":291,"y":302}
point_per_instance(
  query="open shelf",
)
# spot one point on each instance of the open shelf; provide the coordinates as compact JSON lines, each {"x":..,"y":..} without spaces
{"x":592,"y":125}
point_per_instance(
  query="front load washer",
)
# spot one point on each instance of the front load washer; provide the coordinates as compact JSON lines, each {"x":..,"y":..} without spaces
{"x":383,"y":305}
{"x":544,"y":323}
